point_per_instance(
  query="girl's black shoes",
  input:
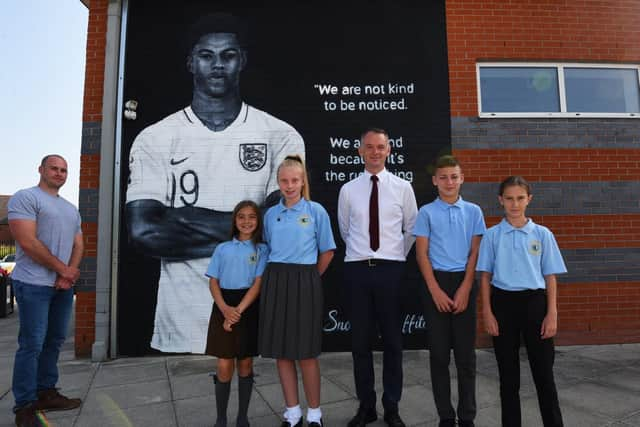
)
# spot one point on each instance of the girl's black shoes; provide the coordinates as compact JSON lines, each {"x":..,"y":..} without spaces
{"x":288,"y":424}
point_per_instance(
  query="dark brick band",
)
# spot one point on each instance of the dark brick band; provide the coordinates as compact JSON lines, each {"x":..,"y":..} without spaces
{"x":87,"y":281}
{"x":88,"y":201}
{"x":601,"y":265}
{"x":476,"y":133}
{"x":91,"y":134}
{"x":563,"y":198}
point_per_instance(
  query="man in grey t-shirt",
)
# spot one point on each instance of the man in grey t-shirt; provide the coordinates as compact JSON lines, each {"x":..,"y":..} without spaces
{"x":49,"y":248}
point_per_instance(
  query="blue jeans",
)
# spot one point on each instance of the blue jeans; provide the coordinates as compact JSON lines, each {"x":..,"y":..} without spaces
{"x":44,"y":318}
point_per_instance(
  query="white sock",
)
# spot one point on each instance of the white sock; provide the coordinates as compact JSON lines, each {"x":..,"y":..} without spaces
{"x":314,"y":415}
{"x":293,"y":415}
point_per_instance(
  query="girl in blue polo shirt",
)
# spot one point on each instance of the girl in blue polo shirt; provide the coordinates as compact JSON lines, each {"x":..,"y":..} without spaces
{"x":519,"y":261}
{"x":234,"y":273}
{"x":301,"y":245}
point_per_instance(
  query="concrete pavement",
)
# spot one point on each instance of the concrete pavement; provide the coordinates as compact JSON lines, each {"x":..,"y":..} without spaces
{"x":597,"y":385}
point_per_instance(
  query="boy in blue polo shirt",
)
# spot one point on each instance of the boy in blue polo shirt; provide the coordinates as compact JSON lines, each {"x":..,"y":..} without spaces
{"x":448,"y":232}
{"x":519,"y":261}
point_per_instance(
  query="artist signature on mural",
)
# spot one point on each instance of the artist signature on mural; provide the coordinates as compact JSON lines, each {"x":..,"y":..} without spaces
{"x":334,"y":323}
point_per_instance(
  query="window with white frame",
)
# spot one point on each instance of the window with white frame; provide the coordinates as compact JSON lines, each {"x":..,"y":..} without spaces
{"x":558,"y":90}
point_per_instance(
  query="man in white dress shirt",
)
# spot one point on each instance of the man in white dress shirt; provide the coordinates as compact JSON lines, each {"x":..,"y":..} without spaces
{"x":189,"y":170}
{"x":376,"y":215}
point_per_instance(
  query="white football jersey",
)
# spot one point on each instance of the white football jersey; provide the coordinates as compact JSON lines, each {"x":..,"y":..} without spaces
{"x":180,"y":162}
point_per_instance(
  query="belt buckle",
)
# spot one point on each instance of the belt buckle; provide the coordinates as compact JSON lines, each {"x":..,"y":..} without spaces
{"x":371,"y":262}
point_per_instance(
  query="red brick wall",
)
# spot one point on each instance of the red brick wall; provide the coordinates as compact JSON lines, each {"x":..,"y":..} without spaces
{"x":89,"y":171}
{"x":548,"y":30}
{"x":85,"y":322}
{"x":94,"y":75}
{"x":490,"y":30}
{"x":580,"y":30}
{"x":551,"y":164}
{"x":90,"y":164}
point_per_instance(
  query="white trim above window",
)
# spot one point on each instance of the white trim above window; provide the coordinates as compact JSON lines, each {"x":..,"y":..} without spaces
{"x":551,"y":89}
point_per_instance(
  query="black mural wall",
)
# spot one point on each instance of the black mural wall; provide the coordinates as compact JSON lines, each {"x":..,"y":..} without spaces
{"x":329,"y":72}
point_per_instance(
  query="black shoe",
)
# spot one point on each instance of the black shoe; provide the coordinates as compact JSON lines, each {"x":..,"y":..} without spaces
{"x":447,"y":423}
{"x":393,"y":419}
{"x":315,"y":423}
{"x":288,"y":424}
{"x":466,"y":423}
{"x":363,"y":417}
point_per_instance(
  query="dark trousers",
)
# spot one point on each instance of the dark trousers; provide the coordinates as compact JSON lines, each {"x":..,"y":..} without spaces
{"x":448,"y":331}
{"x":375,"y":296}
{"x":520,"y":314}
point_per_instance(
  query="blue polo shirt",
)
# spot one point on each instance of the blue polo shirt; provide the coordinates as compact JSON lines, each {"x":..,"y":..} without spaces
{"x":237,"y":263}
{"x":519,"y":258}
{"x":449,"y":228}
{"x":297,"y":234}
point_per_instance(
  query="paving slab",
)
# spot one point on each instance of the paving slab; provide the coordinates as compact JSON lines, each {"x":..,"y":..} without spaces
{"x":154,"y":415}
{"x":196,"y":412}
{"x":104,"y":399}
{"x":188,"y":386}
{"x":597,"y":385}
{"x":595,"y":398}
{"x":116,"y":374}
{"x":622,"y":378}
{"x":633,"y":420}
{"x":329,"y":392}
{"x":620,"y":354}
{"x":189,"y":365}
{"x":266,"y":371}
{"x":570,"y":367}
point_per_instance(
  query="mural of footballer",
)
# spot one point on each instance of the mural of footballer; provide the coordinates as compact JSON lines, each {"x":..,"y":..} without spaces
{"x":189,"y":170}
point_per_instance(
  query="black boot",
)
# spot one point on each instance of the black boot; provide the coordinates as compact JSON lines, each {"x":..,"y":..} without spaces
{"x":222,"y":400}
{"x":245,"y":386}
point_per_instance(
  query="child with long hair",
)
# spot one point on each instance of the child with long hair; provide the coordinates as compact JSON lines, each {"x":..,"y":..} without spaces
{"x":234,"y":273}
{"x":301,"y":245}
{"x":519,"y":261}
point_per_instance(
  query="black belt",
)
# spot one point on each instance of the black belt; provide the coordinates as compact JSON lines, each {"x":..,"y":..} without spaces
{"x":373,"y":262}
{"x":499,"y":291}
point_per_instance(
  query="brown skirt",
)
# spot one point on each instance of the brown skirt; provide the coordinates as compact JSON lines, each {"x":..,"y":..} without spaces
{"x":291,"y":309}
{"x":242,"y":341}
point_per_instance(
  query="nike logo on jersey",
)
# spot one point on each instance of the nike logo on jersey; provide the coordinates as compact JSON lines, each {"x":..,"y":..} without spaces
{"x":177,"y":162}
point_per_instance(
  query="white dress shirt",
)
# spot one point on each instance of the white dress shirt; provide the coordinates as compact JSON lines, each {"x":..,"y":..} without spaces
{"x":397,"y":209}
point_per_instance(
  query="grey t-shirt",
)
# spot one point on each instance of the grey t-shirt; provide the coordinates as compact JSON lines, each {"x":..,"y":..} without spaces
{"x":57,"y":223}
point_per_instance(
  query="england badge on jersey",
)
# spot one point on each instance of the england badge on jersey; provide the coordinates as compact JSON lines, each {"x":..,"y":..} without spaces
{"x":253,"y":156}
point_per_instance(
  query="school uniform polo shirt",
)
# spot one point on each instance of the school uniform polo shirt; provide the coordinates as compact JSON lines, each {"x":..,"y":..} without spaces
{"x":237,"y":263}
{"x":519,"y":258}
{"x":295,"y":235}
{"x":449,"y":228}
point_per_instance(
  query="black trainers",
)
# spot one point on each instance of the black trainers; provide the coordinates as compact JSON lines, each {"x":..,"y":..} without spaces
{"x":315,"y":423}
{"x":363,"y":417}
{"x":393,"y":419}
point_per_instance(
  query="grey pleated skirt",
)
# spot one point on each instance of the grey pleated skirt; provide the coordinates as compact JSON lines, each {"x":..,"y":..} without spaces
{"x":291,"y":308}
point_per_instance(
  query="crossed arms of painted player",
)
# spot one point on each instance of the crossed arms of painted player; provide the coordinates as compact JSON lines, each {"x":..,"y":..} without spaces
{"x":181,"y":233}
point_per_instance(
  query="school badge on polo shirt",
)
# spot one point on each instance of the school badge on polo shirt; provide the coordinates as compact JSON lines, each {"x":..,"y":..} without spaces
{"x":304,"y":220}
{"x":253,"y":259}
{"x":253,"y":157}
{"x":535,"y":248}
